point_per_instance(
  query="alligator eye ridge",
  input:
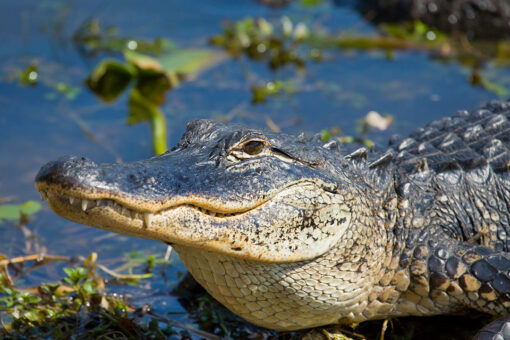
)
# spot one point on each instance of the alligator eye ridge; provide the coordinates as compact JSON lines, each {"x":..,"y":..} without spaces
{"x":253,"y":147}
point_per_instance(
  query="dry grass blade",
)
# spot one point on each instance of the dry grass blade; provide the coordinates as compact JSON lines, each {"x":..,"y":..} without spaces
{"x":272,"y":126}
{"x":115,"y":274}
{"x":34,"y":257}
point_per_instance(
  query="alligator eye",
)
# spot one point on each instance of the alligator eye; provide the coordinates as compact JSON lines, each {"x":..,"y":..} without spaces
{"x":253,"y":147}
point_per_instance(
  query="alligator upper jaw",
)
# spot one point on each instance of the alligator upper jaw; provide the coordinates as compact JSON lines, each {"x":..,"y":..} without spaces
{"x":165,"y":225}
{"x":142,"y":187}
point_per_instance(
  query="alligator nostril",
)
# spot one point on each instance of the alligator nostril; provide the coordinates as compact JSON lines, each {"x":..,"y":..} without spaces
{"x":66,"y":170}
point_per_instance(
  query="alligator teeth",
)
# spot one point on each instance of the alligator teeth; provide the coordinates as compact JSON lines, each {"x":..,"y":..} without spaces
{"x":44,"y":196}
{"x":147,"y":217}
{"x":84,"y":205}
{"x":125,"y":211}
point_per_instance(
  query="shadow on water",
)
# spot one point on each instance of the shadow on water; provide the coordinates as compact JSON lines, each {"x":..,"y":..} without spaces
{"x":74,"y":73}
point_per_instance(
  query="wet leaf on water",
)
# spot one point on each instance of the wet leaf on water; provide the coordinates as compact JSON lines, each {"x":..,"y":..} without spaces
{"x":327,"y":134}
{"x":143,"y":62}
{"x":68,"y":91}
{"x":190,"y":62}
{"x":90,"y":39}
{"x":12,"y":212}
{"x":413,"y":30}
{"x":152,"y":75}
{"x":175,"y":64}
{"x":109,"y":79}
{"x":154,"y":87}
{"x":29,"y":76}
{"x":503,"y":52}
{"x":260,"y":40}
{"x":158,"y":75}
{"x":271,"y":88}
{"x":311,"y":3}
{"x":478,"y":79}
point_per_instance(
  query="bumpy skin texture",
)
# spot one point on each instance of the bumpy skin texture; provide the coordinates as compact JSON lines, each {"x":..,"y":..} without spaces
{"x":497,"y":330}
{"x":482,"y":19}
{"x":290,"y":233}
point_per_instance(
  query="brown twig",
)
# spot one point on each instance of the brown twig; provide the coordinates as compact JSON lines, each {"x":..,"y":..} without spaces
{"x":34,"y":257}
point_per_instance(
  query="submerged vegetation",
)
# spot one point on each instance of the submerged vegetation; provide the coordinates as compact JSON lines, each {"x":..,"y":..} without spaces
{"x":78,"y":307}
{"x":149,"y":71}
{"x":287,"y":43}
{"x":148,"y":79}
{"x":14,"y":212}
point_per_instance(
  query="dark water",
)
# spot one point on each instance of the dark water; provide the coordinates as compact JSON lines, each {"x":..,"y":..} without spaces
{"x":35,"y":128}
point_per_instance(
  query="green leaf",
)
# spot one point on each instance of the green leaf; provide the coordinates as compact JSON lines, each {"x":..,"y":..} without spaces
{"x":154,"y":87}
{"x":75,"y":275}
{"x":70,"y":92}
{"x":88,"y":287}
{"x":186,"y":62}
{"x":190,"y":61}
{"x":310,"y":3}
{"x":31,"y":315}
{"x":11,"y":212}
{"x":109,"y":79}
{"x":325,"y":135}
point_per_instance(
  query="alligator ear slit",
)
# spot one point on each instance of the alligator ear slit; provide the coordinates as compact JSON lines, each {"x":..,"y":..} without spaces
{"x":382,"y":161}
{"x":450,"y":165}
{"x":281,"y":152}
{"x":358,"y":154}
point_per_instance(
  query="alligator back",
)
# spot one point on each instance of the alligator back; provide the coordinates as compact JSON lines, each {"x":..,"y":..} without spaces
{"x":461,"y":166}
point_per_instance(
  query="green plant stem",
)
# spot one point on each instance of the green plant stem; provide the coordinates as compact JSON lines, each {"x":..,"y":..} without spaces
{"x":158,"y":125}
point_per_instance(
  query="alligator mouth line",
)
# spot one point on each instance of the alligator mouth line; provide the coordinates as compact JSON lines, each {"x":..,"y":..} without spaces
{"x":121,"y":209}
{"x":74,"y":204}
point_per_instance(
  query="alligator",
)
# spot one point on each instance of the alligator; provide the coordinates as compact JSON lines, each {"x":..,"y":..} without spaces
{"x":290,"y":233}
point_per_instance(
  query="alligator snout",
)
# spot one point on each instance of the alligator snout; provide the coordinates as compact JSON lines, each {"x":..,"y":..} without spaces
{"x":138,"y":184}
{"x":67,"y":172}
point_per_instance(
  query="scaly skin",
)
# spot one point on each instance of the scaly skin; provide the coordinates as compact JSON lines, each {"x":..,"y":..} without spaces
{"x":290,"y":233}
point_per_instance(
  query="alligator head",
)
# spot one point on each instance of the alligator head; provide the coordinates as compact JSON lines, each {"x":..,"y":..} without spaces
{"x":233,"y":200}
